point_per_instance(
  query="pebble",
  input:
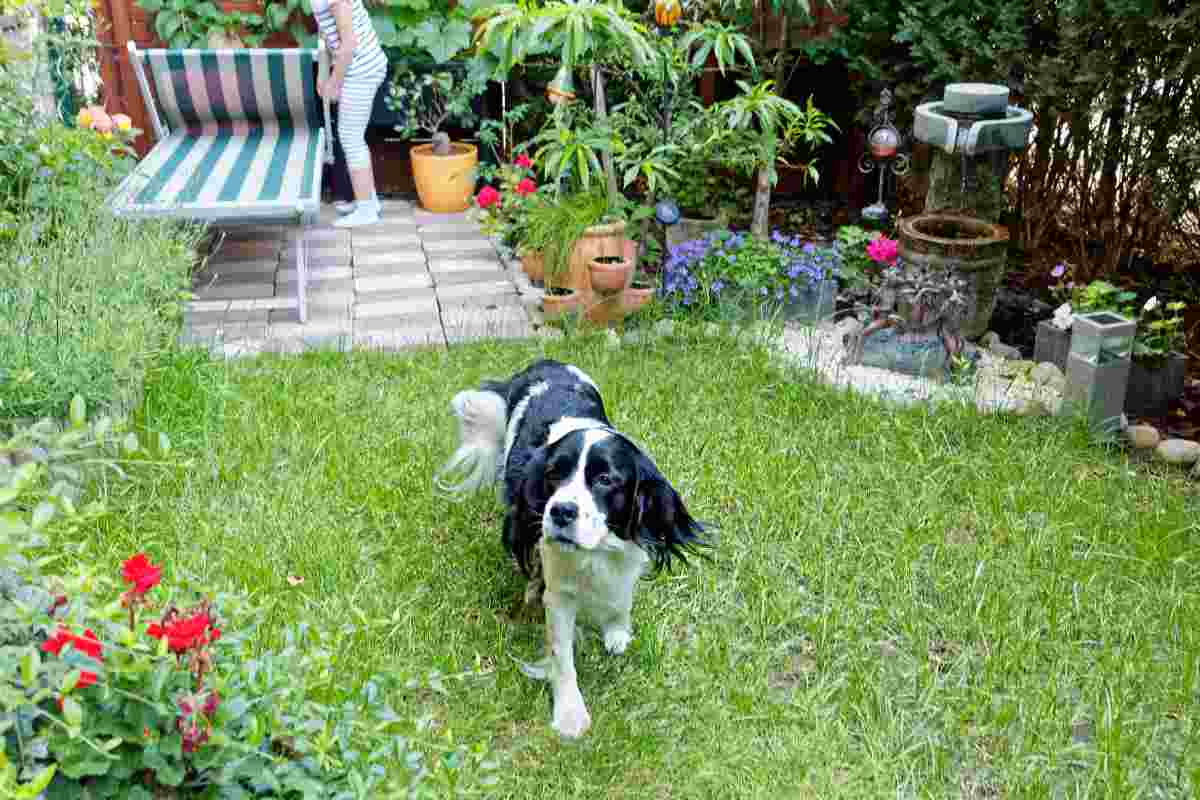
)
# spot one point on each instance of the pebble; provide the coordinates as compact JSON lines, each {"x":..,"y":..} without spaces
{"x":1143,"y":437}
{"x":1047,"y":374}
{"x":1178,"y":451}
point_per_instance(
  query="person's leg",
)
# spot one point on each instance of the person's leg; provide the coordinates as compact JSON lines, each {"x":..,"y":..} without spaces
{"x":354,"y":111}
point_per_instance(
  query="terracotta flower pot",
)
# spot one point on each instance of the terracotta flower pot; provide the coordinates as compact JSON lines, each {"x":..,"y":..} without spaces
{"x":534,"y":265}
{"x":610,"y":273}
{"x":598,"y":240}
{"x":445,"y":183}
{"x":635,"y":297}
{"x":556,"y":306}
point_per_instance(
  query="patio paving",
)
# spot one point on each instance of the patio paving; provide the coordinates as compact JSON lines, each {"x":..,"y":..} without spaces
{"x":415,"y":280}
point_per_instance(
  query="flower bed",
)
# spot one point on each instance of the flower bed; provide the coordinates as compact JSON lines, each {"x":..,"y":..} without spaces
{"x":727,"y":275}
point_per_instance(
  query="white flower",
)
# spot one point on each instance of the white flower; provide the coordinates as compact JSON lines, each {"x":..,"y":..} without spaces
{"x":1063,"y":317}
{"x":1151,"y":304}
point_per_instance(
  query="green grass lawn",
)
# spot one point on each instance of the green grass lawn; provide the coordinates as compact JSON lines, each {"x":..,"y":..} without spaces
{"x":902,"y":603}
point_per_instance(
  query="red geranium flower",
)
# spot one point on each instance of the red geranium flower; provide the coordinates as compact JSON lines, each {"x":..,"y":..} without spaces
{"x":86,"y":679}
{"x":86,"y":644}
{"x":523,"y":161}
{"x":525,"y":187}
{"x":487,"y":197}
{"x":139,"y":572}
{"x":186,"y":634}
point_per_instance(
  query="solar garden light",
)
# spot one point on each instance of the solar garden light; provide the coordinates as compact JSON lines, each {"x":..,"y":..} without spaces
{"x":883,"y":143}
{"x":1098,"y":367}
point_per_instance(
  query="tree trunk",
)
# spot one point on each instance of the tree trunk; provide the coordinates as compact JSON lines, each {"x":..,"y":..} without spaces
{"x":601,"y":109}
{"x":762,"y":204}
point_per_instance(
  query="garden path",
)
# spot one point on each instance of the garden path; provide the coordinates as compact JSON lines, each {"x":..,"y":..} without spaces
{"x":416,"y":279}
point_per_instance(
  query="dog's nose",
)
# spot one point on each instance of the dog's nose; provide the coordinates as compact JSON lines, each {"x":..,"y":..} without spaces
{"x":563,"y":514}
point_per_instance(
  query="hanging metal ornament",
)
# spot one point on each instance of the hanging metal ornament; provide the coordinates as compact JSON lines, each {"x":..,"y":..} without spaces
{"x":883,"y":146}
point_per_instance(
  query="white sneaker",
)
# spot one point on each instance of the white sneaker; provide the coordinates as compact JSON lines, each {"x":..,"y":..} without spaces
{"x":367,"y":215}
{"x":344,"y":207}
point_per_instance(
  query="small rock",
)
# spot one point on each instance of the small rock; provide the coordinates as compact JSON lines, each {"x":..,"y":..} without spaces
{"x":1178,"y":451}
{"x":611,"y":340}
{"x":712,"y":330}
{"x":1012,"y":368}
{"x":664,"y":328}
{"x":1047,"y":374}
{"x":1143,"y":437}
{"x":999,"y":348}
{"x":990,"y":339}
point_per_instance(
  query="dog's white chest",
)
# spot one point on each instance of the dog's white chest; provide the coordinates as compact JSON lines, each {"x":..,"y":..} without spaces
{"x":600,"y":582}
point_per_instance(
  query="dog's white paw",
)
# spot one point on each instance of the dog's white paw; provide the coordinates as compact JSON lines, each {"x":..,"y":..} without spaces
{"x":571,"y":720}
{"x":616,"y":640}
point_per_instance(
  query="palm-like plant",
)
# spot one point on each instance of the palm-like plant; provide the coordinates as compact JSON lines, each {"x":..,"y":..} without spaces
{"x":580,"y":30}
{"x":759,"y":111}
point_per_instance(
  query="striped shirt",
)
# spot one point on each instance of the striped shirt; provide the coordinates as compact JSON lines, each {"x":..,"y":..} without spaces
{"x":368,"y":56}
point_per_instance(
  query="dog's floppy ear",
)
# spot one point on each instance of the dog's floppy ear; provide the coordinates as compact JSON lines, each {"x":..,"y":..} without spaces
{"x":528,"y":501}
{"x":665,"y":528}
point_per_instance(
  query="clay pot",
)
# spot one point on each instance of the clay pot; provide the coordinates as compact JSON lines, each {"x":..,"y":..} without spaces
{"x":635,"y":297}
{"x":976,"y":250}
{"x":556,"y":306}
{"x":445,"y":183}
{"x":610,"y":273}
{"x":534,"y":265}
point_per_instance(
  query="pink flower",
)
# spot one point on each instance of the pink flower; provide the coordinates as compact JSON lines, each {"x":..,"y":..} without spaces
{"x":525,"y":187}
{"x":523,"y":161}
{"x":487,"y":197}
{"x":883,"y":250}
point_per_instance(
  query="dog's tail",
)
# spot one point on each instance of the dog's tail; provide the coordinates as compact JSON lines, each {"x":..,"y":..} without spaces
{"x":482,"y":422}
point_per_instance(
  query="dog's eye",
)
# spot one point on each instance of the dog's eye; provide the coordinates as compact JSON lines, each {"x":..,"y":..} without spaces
{"x":604,"y":479}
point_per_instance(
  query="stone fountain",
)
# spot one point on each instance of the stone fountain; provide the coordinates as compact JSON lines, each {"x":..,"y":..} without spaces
{"x":972,"y":130}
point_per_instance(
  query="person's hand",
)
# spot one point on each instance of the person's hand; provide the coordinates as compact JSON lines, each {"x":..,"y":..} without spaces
{"x":329,"y":89}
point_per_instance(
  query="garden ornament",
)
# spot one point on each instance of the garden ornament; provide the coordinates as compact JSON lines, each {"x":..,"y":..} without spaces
{"x":883,"y":143}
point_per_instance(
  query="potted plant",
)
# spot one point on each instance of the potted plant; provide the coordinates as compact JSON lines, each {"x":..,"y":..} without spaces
{"x":559,"y":302}
{"x":613,"y":272}
{"x":444,"y":171}
{"x":502,"y":213}
{"x":1158,"y":373}
{"x":754,"y":127}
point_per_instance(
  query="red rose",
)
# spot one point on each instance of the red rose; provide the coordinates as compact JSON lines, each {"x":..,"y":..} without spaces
{"x":525,"y":187}
{"x":523,"y":161}
{"x":139,"y":572}
{"x":487,"y":197}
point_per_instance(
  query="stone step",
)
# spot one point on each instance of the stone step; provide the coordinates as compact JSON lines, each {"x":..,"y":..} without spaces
{"x":365,"y":285}
{"x":405,"y":307}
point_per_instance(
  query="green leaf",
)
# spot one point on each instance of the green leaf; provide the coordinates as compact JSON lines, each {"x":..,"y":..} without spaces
{"x":42,"y":513}
{"x":152,"y":6}
{"x":31,"y":662}
{"x":72,"y":711}
{"x":35,"y":787}
{"x":78,"y":411}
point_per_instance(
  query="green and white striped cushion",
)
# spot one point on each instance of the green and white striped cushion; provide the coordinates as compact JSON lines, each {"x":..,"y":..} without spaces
{"x":245,"y":140}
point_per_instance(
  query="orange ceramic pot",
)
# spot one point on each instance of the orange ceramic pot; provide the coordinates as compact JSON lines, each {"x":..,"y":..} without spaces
{"x":444,"y":183}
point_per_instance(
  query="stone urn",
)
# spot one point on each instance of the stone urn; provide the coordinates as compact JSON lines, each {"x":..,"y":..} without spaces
{"x":973,"y":249}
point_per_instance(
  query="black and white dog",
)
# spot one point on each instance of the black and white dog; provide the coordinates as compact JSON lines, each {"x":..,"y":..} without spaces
{"x":581,"y":496}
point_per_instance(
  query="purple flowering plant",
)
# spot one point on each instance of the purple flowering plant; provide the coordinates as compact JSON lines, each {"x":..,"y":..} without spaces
{"x":726,"y":269}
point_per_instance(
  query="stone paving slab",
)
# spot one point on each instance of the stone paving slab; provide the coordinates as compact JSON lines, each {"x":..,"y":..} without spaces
{"x":402,"y":255}
{"x":446,"y":279}
{"x":396,"y":308}
{"x":367,"y":285}
{"x":413,"y":280}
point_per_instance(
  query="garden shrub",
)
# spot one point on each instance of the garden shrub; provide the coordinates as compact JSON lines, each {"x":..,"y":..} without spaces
{"x":115,"y":684}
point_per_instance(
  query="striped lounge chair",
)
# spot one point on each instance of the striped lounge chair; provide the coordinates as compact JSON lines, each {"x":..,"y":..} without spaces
{"x":240,"y":138}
